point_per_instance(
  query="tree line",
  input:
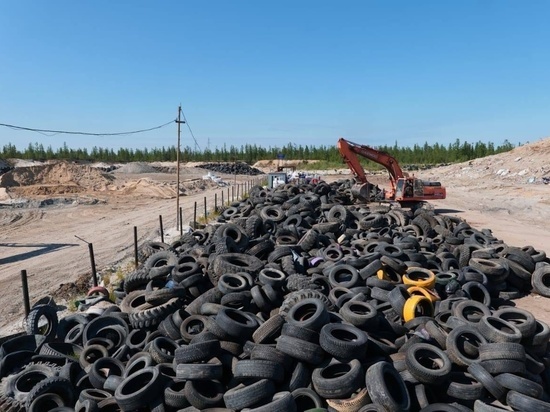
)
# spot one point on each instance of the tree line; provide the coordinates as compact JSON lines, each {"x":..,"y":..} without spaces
{"x":428,"y":154}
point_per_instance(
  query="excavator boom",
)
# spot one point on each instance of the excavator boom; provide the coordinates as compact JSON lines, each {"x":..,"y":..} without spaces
{"x":404,"y":189}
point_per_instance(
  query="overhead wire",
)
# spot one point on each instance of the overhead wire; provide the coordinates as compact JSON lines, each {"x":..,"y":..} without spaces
{"x":42,"y":131}
{"x":190,"y":131}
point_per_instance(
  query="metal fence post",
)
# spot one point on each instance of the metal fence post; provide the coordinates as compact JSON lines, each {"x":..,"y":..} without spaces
{"x":136,"y":261}
{"x":25,"y":286}
{"x":92,"y":261}
{"x":161,"y":229}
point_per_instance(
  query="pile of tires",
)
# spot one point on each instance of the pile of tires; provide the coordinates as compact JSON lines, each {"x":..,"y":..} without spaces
{"x":297,"y":299}
{"x":239,"y":168}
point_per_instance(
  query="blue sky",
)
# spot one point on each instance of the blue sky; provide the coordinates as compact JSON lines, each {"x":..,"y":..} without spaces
{"x":275,"y":72}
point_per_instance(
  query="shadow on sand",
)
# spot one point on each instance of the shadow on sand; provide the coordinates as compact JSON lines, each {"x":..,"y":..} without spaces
{"x":40,"y":249}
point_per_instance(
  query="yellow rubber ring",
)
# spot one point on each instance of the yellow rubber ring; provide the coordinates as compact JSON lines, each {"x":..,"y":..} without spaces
{"x":419,"y":277}
{"x":381,"y":274}
{"x":417,"y":306}
{"x":419,"y":291}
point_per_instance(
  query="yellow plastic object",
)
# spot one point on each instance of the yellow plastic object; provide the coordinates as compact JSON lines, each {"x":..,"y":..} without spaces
{"x":419,"y":277}
{"x":381,"y":274}
{"x":419,"y":291}
{"x":417,"y":305}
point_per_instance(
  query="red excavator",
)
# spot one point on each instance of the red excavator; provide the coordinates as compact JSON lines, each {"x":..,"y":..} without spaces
{"x":407,"y":190}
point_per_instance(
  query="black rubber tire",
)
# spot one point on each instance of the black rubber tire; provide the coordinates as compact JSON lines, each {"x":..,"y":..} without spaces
{"x":344,"y":342}
{"x":498,"y":330}
{"x":48,"y":402}
{"x":464,"y":386}
{"x":91,"y":353}
{"x":34,"y":321}
{"x":102,"y":369}
{"x":494,"y":367}
{"x":135,"y":280}
{"x":237,"y":324}
{"x":197,"y":352}
{"x":258,"y":369}
{"x":386,"y":387}
{"x":502,"y":351}
{"x":540,"y":280}
{"x":519,"y":384}
{"x":204,"y":394}
{"x":59,"y":386}
{"x":233,"y":263}
{"x":338,"y":380}
{"x":461,"y":343}
{"x":308,"y":313}
{"x":138,"y":388}
{"x":243,"y":395}
{"x":174,"y":395}
{"x":162,"y":349}
{"x":360,"y":314}
{"x":211,"y":370}
{"x":488,"y":382}
{"x":301,"y":350}
{"x":470,"y":310}
{"x":306,"y":399}
{"x":428,"y":364}
{"x":153,"y":316}
{"x":134,"y":301}
{"x":281,"y":401}
{"x":160,"y":259}
{"x":521,"y":402}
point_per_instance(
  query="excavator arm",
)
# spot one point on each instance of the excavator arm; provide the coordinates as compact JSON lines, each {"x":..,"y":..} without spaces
{"x":350,"y":150}
{"x":399,"y":180}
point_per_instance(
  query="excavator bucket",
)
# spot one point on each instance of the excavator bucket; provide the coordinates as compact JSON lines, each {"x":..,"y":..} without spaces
{"x":361,"y":191}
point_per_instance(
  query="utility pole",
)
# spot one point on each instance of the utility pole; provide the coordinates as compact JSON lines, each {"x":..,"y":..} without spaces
{"x":179,"y":122}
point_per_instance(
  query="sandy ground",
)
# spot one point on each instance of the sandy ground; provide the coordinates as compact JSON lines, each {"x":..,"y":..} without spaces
{"x":42,"y":240}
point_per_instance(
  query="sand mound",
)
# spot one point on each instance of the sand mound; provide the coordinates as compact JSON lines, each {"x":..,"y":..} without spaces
{"x":73,"y":177}
{"x":137,"y":168}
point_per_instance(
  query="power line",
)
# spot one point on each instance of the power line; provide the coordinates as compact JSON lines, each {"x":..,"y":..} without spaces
{"x":190,"y":131}
{"x":42,"y":131}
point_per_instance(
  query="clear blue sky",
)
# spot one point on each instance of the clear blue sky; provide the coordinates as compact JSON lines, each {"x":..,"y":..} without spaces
{"x":275,"y":72}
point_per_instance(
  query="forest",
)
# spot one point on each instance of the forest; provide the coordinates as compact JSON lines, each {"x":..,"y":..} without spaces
{"x":426,"y":154}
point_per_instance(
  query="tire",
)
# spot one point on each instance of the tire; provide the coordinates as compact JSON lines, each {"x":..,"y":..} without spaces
{"x":138,"y":388}
{"x":338,"y":380}
{"x":360,"y":314}
{"x":204,"y":394}
{"x":134,"y":302}
{"x":258,"y":369}
{"x":386,"y":387}
{"x":268,"y":331}
{"x":56,"y":385}
{"x":233,"y":263}
{"x":519,"y":384}
{"x":162,"y":349}
{"x":280,"y":402}
{"x":497,"y":330}
{"x":153,"y":316}
{"x":541,"y":281}
{"x":197,"y":352}
{"x":301,"y":350}
{"x":135,"y":280}
{"x":243,"y":396}
{"x":18,"y":386}
{"x":428,"y":364}
{"x":488,"y":382}
{"x":344,"y":342}
{"x":34,"y":323}
{"x":502,"y":351}
{"x":237,"y":324}
{"x":212,"y":370}
{"x":102,"y":369}
{"x":465,"y":387}
{"x":309,"y":314}
{"x":456,"y":341}
{"x":48,"y":402}
{"x":521,"y":402}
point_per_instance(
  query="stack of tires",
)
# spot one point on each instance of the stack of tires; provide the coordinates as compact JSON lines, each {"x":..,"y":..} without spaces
{"x":297,"y":299}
